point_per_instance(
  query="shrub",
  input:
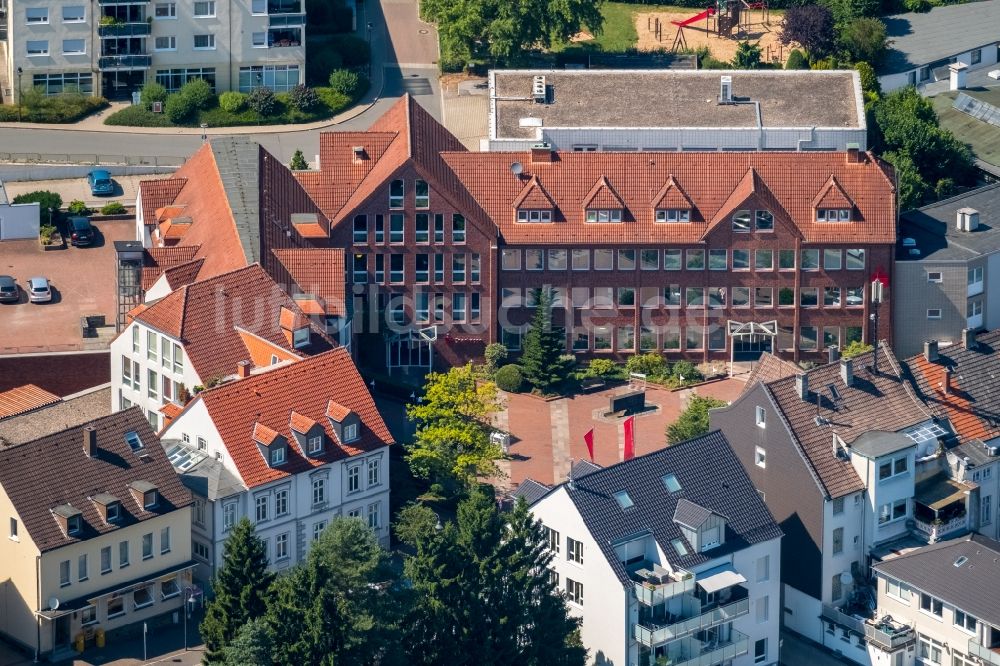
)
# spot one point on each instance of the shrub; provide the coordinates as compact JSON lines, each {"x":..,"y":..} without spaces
{"x":869,"y":80}
{"x":917,"y":5}
{"x":685,"y":369}
{"x":152,"y":92}
{"x":46,"y":232}
{"x":345,"y":82}
{"x":232,"y":101}
{"x":650,"y":364}
{"x":137,"y":116}
{"x":796,"y":60}
{"x":496,"y":354}
{"x":180,"y":108}
{"x":509,"y":378}
{"x":262,"y":101}
{"x":353,"y":50}
{"x":855,"y":348}
{"x":298,"y":162}
{"x":302,"y":97}
{"x":602,"y":367}
{"x":77,"y":207}
{"x":333,"y":100}
{"x":65,"y":108}
{"x":199,"y":92}
{"x":113,"y":208}
{"x":44,"y":198}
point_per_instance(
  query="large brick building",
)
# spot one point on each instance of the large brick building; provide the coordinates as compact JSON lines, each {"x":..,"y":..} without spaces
{"x":701,"y":255}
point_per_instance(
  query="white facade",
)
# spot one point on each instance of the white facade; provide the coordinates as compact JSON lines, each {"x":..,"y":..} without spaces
{"x":610,"y":612}
{"x":17,"y":221}
{"x":289,"y":513}
{"x":111,"y":49}
{"x":979,"y":58}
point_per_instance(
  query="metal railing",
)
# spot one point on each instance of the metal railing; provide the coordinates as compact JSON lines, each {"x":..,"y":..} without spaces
{"x":651,"y":594}
{"x":137,"y":29}
{"x":986,"y":654}
{"x":121,"y":2}
{"x":286,"y":21}
{"x":889,"y":641}
{"x":651,"y":635}
{"x":837,"y":616}
{"x":692,"y":652}
{"x":137,"y":61}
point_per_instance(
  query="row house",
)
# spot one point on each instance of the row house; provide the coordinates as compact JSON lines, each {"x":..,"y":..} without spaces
{"x":198,"y":334}
{"x":699,"y":255}
{"x":98,"y":534}
{"x":666,"y":559}
{"x":290,"y":447}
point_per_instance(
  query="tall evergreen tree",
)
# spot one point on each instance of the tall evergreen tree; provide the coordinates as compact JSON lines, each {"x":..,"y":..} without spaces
{"x":483,"y":592}
{"x":543,"y":346}
{"x":252,"y":645}
{"x":240,"y":590}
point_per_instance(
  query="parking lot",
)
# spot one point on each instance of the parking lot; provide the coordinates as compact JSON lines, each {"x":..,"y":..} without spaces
{"x":70,"y":189}
{"x":82,"y":281}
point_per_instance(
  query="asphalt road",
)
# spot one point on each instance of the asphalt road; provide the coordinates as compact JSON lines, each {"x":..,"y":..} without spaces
{"x":402,"y":45}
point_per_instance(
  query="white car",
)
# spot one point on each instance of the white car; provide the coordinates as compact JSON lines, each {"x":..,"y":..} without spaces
{"x":38,"y":290}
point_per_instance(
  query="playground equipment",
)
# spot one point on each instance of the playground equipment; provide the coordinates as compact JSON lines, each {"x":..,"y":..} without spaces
{"x":727,"y":18}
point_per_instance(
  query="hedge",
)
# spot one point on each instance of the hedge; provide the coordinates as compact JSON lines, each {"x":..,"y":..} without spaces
{"x":67,"y":108}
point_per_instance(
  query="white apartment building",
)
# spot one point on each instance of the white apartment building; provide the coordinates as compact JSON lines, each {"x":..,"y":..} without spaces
{"x":667,"y":559}
{"x":290,"y":448}
{"x":112,"y":47}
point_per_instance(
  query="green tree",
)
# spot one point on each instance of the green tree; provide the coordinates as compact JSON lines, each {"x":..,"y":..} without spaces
{"x":452,"y":444}
{"x":298,"y":162}
{"x":855,"y":348}
{"x":693,"y":421}
{"x":483,"y":592}
{"x":544,"y":345}
{"x":496,"y":354}
{"x":869,"y":79}
{"x":796,"y":60}
{"x":846,"y":10}
{"x":747,"y":56}
{"x":811,"y":26}
{"x":252,"y":645}
{"x":501,"y":30}
{"x":338,"y":606}
{"x":864,"y":39}
{"x":240,"y":590}
{"x":45,"y":199}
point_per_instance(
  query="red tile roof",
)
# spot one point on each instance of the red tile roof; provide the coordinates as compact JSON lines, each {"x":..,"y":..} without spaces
{"x":267,"y":400}
{"x":768,"y":369}
{"x":301,"y":423}
{"x":155,"y":194}
{"x":170,"y":412}
{"x":337,"y":411}
{"x":155,"y":260}
{"x":311,"y":305}
{"x":263,"y":434}
{"x":714,"y":182}
{"x":318,"y":272}
{"x":602,"y":195}
{"x":23,"y":399}
{"x":182,"y":274}
{"x":832,"y":196}
{"x":206,"y":316}
{"x":263,"y":351}
{"x":534,"y":196}
{"x":671,"y":195}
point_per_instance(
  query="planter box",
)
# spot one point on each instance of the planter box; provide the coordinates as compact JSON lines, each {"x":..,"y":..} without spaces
{"x":57,"y":243}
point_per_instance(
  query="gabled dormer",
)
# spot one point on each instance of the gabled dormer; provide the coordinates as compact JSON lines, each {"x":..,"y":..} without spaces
{"x":533,"y":204}
{"x":671,"y":204}
{"x":751,"y":208}
{"x":832,"y":204}
{"x":308,"y":434}
{"x":602,"y":204}
{"x":70,"y":520}
{"x":295,"y":327}
{"x":146,"y":495}
{"x":272,"y":446}
{"x":109,"y":507}
{"x":345,"y":422}
{"x":703,"y":528}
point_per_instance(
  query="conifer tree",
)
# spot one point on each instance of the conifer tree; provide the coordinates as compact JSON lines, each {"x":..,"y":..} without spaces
{"x":544,"y":346}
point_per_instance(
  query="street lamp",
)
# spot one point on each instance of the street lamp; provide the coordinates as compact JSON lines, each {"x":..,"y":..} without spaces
{"x":188,"y":599}
{"x":204,"y":132}
{"x":19,"y":73}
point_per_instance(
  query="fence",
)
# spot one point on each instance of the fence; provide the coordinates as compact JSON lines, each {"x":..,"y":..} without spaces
{"x":91,"y":159}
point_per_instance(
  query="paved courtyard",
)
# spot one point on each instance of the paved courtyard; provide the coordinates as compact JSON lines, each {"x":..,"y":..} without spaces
{"x":547,"y":435}
{"x":126,"y":189}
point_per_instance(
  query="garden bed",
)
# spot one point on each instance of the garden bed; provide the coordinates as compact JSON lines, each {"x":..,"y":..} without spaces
{"x":57,"y":109}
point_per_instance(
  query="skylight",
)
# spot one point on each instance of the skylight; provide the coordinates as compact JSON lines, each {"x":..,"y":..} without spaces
{"x":679,"y":546}
{"x":926,"y":432}
{"x":671,"y":483}
{"x":624,"y":501}
{"x":961,"y":560}
{"x":134,"y":443}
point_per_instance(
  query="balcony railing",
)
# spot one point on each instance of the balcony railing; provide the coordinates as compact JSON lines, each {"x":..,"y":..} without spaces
{"x":285,"y":7}
{"x":142,"y":29}
{"x":286,"y":21}
{"x":125,"y":62}
{"x":936,"y":531}
{"x":693,"y":652}
{"x":104,"y":3}
{"x":889,"y":641}
{"x":986,"y":654}
{"x":652,"y":594}
{"x":839,"y":617}
{"x":650,"y":634}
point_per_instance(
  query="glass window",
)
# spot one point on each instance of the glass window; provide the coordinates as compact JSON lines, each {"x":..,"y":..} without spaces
{"x":694,"y":338}
{"x":855,"y":297}
{"x":671,"y":337}
{"x":438,"y":227}
{"x":765,"y":220}
{"x":832,"y":260}
{"x":763,"y":297}
{"x":741,"y":260}
{"x":458,"y":265}
{"x":603,"y":260}
{"x":626,"y":260}
{"x":831,"y":297}
{"x":671,"y":260}
{"x":672,"y":295}
{"x":695,"y":260}
{"x":741,"y":221}
{"x":74,"y":14}
{"x":856,"y":259}
{"x":602,"y":338}
{"x":397,"y":190}
{"x":763,"y":260}
{"x":204,"y":42}
{"x":716,"y":297}
{"x":718,"y":260}
{"x":422,"y":228}
{"x":581,"y":260}
{"x":510,"y":260}
{"x":809,"y":297}
{"x":741,"y":297}
{"x":786,"y":297}
{"x":534,"y":260}
{"x":581,"y":339}
{"x":165,"y":10}
{"x":457,"y":228}
{"x":650,"y":260}
{"x":626,"y":338}
{"x":831,"y":336}
{"x":74,"y":46}
{"x":808,"y":338}
{"x":786,"y":260}
{"x":717,"y":338}
{"x":557,"y":260}
{"x":204,"y":8}
{"x":396,"y":228}
{"x":36,"y":14}
{"x":647,"y":339}
{"x":810,"y":260}
{"x":37,"y":47}
{"x":421,"y":194}
{"x":694,"y":297}
{"x":626,"y":297}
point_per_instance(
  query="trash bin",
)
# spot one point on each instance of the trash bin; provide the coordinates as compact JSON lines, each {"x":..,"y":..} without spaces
{"x":100,"y":638}
{"x":78,"y":642}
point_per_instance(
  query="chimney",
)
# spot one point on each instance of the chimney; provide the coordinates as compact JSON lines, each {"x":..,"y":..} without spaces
{"x":541,"y":153}
{"x":969,"y":339}
{"x":967,"y":219}
{"x":243,"y":369}
{"x":931,"y":351}
{"x":832,"y":354}
{"x":726,"y":89}
{"x":956,"y":75}
{"x":853,"y":153}
{"x":90,"y":441}
{"x":847,"y":371}
{"x":802,"y":386}
{"x":946,"y":382}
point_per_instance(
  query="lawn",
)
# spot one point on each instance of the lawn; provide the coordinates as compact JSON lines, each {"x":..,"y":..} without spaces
{"x":619,"y":33}
{"x":981,"y":136}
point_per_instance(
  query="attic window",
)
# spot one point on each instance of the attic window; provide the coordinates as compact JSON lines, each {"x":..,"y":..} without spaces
{"x":74,"y":524}
{"x":531,"y":215}
{"x":314,"y":445}
{"x":300,"y":337}
{"x":679,"y":546}
{"x":960,"y":561}
{"x":741,"y":221}
{"x":114,"y":511}
{"x":150,"y":499}
{"x":277,"y":456}
{"x":624,"y":501}
{"x":350,"y":432}
{"x":671,"y":483}
{"x":600,"y":215}
{"x":673,"y":215}
{"x":133,"y":441}
{"x":833,"y":214}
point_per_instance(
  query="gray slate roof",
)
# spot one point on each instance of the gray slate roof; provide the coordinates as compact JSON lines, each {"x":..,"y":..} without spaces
{"x":531,"y":491}
{"x":212,"y":480}
{"x":689,"y":514}
{"x":238,"y":161}
{"x":710,"y":476}
{"x":933,"y":228}
{"x":918,"y":39}
{"x":973,"y":587}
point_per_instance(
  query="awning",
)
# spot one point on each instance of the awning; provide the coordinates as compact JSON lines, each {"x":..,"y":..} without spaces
{"x":939,"y":491}
{"x":718,"y":578}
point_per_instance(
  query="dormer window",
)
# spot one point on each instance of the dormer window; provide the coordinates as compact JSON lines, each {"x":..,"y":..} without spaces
{"x":277,"y":456}
{"x":528,"y":215}
{"x":300,"y":337}
{"x":833,"y":214}
{"x":150,"y":499}
{"x":673,"y":215}
{"x":114,"y":512}
{"x":314,"y":445}
{"x":74,"y":525}
{"x":350,"y":432}
{"x":599,"y":215}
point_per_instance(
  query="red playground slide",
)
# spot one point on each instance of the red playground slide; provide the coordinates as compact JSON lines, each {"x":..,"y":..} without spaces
{"x":694,"y":19}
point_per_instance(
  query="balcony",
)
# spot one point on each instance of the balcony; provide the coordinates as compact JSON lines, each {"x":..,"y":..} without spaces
{"x":142,"y":29}
{"x":284,"y":37}
{"x":974,"y":322}
{"x":840,"y":618}
{"x":988,"y":655}
{"x":286,"y":21}
{"x":935,"y":531}
{"x":657,"y":585}
{"x":124,"y":62}
{"x":285,"y":7}
{"x":105,"y":3}
{"x":712,"y":651}
{"x":889,"y":636}
{"x":651,"y":634}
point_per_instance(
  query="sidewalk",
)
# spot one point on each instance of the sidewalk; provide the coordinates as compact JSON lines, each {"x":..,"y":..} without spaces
{"x":95,"y":122}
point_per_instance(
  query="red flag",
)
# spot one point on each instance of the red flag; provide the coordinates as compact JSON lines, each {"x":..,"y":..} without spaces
{"x":589,"y":439}
{"x":630,"y":437}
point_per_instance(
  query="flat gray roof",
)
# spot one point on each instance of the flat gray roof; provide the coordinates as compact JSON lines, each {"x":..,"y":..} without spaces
{"x":877,"y":443}
{"x":934,"y":230}
{"x":673,"y":98}
{"x":918,"y":39}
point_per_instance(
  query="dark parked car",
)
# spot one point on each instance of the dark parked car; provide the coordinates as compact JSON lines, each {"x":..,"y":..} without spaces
{"x":81,"y":232}
{"x":8,"y":290}
{"x":100,"y":182}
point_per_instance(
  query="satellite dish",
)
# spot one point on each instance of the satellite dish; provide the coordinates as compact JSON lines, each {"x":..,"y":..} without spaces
{"x":846,"y":578}
{"x":53,"y":603}
{"x":517,"y":168}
